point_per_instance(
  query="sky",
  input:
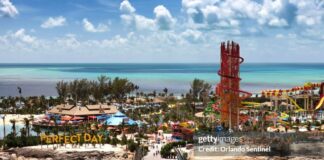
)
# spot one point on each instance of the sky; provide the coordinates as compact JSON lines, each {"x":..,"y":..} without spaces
{"x":159,"y":31}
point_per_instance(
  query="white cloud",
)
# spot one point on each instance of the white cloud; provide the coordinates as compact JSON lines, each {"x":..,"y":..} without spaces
{"x":52,"y":22}
{"x":22,"y":36}
{"x":7,"y":8}
{"x":138,"y":21}
{"x":279,"y":36}
{"x":127,"y":19}
{"x":143,"y":23}
{"x":310,"y":12}
{"x":228,"y":13}
{"x":18,"y":41}
{"x":69,"y":41}
{"x":278,"y":22}
{"x":192,"y":35}
{"x":163,"y":18}
{"x":309,"y":21}
{"x":88,"y":26}
{"x":126,"y":7}
{"x":278,"y":13}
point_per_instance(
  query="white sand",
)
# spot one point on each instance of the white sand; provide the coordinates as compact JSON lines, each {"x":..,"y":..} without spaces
{"x":18,"y":117}
{"x":77,"y":148}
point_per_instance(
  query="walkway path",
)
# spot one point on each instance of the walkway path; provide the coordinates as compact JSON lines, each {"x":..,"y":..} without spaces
{"x":150,"y":156}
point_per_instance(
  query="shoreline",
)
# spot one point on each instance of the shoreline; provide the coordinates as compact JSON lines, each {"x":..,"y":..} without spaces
{"x":39,"y":87}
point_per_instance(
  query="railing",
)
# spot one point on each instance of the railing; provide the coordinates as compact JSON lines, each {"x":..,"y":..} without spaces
{"x":179,"y":155}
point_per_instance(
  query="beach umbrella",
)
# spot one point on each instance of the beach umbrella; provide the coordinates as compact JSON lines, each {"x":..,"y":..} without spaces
{"x":92,"y":117}
{"x":66,"y":118}
{"x":102,"y":117}
{"x":77,"y":118}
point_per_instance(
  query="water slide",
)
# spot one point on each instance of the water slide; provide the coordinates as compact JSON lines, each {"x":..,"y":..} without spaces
{"x":284,"y":115}
{"x":251,"y":103}
{"x":299,"y":108}
{"x":320,"y":104}
{"x":283,"y":122}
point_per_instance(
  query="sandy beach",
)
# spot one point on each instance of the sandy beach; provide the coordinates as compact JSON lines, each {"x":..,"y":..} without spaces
{"x":18,"y":117}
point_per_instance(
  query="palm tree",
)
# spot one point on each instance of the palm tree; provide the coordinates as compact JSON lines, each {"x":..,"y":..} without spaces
{"x":13,"y":122}
{"x":73,"y":90}
{"x":37,"y":129}
{"x":103,"y":86}
{"x":4,"y":125}
{"x":120,"y":88}
{"x":27,"y":125}
{"x":19,"y":91}
{"x":62,"y":90}
{"x":136,"y":87}
{"x":165,"y":90}
{"x":198,"y":87}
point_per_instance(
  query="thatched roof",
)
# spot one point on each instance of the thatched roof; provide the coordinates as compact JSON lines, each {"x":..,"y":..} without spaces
{"x":84,"y":110}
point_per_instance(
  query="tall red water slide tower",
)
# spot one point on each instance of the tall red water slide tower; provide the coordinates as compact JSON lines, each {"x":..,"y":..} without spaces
{"x":228,"y":90}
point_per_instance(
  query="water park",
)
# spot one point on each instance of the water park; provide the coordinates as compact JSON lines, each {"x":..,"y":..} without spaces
{"x":285,"y":120}
{"x":298,"y":105}
{"x":110,"y":116}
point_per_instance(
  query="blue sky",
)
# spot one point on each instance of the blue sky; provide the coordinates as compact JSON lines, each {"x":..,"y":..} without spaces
{"x":159,"y":31}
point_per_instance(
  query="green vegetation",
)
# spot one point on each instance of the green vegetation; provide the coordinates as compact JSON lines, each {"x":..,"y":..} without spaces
{"x":84,"y":90}
{"x":101,"y":89}
{"x":132,"y":146}
{"x":166,"y":149}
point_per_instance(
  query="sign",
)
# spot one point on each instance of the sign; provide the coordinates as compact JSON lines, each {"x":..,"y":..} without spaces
{"x":71,"y":139}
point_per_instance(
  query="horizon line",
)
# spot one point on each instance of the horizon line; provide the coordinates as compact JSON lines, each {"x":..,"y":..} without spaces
{"x":22,"y":63}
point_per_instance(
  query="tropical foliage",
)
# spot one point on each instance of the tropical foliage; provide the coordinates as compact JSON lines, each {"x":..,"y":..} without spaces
{"x":96,"y":90}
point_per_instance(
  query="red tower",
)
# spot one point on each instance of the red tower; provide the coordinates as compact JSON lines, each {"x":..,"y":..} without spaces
{"x":229,"y":87}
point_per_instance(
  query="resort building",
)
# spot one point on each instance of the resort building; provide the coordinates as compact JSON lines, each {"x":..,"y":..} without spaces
{"x":88,"y":110}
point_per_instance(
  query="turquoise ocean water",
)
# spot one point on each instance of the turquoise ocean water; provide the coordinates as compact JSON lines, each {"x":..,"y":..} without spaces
{"x":40,"y":79}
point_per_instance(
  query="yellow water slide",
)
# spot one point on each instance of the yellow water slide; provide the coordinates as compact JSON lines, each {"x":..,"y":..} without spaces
{"x":319,"y":105}
{"x":283,"y":115}
{"x":283,"y":122}
{"x":294,"y":102}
